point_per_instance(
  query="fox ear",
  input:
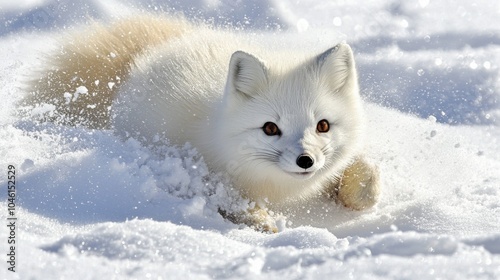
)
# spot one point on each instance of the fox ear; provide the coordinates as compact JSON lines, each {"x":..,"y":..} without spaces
{"x":336,"y":66}
{"x":246,"y":75}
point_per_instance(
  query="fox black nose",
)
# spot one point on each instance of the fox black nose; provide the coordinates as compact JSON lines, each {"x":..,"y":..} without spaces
{"x":305,"y":161}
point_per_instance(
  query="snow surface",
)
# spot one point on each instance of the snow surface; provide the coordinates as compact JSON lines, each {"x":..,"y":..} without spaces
{"x":93,"y":207}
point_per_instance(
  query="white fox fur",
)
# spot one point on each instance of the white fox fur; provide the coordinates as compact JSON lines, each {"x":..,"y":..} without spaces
{"x":218,"y":90}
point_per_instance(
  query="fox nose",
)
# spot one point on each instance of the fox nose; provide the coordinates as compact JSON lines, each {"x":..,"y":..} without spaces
{"x":305,"y":161}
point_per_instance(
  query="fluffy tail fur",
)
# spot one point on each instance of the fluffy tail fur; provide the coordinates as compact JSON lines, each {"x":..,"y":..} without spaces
{"x":81,"y":79}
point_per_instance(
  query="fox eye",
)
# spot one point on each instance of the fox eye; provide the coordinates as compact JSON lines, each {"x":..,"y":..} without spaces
{"x":323,"y":126}
{"x":271,"y":129}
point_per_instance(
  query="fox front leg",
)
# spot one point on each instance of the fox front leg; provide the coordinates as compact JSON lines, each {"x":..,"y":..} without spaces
{"x":359,"y":185}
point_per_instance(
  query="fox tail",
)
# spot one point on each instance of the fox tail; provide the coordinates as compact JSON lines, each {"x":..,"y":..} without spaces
{"x":78,"y":84}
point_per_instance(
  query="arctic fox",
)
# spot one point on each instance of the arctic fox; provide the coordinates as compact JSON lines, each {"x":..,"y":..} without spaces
{"x":283,"y":125}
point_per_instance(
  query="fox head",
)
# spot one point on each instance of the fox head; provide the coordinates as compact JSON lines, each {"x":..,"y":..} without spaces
{"x":289,"y":130}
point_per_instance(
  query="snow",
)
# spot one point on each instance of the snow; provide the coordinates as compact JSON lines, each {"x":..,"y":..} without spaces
{"x":91,"y":206}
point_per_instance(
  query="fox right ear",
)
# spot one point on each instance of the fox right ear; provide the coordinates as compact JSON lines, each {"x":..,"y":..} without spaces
{"x":336,"y":66}
{"x":247,"y":75}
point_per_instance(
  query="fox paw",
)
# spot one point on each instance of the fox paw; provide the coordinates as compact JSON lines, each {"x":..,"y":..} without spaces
{"x":256,"y":218}
{"x":359,"y":186}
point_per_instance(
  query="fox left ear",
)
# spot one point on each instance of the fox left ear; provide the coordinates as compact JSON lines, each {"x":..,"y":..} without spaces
{"x":336,"y":66}
{"x":247,"y":75}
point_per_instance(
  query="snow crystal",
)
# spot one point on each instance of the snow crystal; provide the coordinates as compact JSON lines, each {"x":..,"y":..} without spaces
{"x":68,"y":97}
{"x":337,"y":21}
{"x":28,"y":163}
{"x":302,"y":25}
{"x":43,"y":110}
